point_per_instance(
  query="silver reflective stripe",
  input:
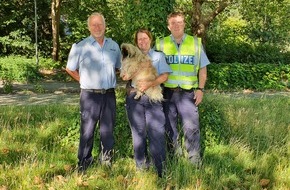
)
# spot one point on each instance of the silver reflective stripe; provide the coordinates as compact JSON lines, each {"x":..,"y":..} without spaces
{"x":184,"y":73}
{"x":170,"y":81}
{"x":188,"y":82}
{"x":197,"y":54}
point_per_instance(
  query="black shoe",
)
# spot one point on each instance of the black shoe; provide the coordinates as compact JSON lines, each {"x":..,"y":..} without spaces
{"x":83,"y":166}
{"x":81,"y":170}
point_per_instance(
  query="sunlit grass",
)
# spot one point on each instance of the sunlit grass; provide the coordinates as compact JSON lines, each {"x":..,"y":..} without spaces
{"x":247,"y":147}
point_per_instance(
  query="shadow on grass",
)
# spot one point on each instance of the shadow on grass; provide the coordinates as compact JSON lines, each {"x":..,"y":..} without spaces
{"x":224,"y":166}
{"x":214,"y":128}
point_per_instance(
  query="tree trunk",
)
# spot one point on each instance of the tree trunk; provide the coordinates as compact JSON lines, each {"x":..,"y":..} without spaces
{"x":201,"y":22}
{"x":55,"y":20}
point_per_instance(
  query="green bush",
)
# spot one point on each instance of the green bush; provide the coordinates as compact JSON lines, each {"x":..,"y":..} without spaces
{"x":237,"y":76}
{"x":223,"y":76}
{"x":20,"y":69}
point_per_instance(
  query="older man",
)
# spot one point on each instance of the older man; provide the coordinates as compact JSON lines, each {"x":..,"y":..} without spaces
{"x":93,"y":62}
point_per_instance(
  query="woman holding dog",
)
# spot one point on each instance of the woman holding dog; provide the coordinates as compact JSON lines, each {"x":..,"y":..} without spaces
{"x":146,"y":118}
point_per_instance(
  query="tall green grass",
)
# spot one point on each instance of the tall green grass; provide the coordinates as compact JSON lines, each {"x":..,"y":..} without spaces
{"x":245,"y":141}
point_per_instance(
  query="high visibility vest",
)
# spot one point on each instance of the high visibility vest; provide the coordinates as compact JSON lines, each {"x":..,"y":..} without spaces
{"x":184,"y":61}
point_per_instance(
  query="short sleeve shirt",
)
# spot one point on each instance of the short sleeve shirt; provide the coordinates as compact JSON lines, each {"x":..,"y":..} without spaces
{"x":96,"y":64}
{"x":204,"y":61}
{"x":159,"y":62}
{"x":203,"y":58}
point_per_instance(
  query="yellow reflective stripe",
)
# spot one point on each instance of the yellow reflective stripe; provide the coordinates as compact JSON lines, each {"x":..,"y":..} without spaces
{"x":182,"y":69}
{"x":182,"y":80}
{"x":169,"y":85}
{"x":186,"y":67}
{"x":187,"y":87}
{"x":188,"y":78}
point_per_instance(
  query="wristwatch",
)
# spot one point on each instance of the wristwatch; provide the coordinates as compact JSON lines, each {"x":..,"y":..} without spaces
{"x":201,"y":89}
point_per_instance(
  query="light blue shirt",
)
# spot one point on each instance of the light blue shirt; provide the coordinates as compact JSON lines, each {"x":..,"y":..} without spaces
{"x":96,"y":64}
{"x":159,"y":62}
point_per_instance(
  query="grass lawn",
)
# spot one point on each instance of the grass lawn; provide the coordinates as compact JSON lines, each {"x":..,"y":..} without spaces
{"x":245,"y":140}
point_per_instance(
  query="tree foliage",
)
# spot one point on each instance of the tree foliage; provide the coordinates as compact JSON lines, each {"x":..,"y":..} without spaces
{"x":236,"y":31}
{"x":245,"y":34}
{"x":17,"y":28}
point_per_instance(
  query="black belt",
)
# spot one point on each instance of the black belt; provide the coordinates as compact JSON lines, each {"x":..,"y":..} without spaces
{"x":100,"y":91}
{"x":178,"y":89}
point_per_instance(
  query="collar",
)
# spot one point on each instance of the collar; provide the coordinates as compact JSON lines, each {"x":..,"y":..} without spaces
{"x":173,"y":40}
{"x":92,"y":39}
{"x":150,"y":52}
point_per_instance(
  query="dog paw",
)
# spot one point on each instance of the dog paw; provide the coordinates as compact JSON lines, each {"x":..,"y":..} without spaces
{"x":137,"y":97}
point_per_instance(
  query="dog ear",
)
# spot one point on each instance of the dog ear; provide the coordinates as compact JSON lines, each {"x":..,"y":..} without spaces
{"x":124,"y":52}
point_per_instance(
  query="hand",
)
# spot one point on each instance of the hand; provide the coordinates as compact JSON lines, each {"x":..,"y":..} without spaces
{"x":125,"y":77}
{"x":198,"y":95}
{"x":144,"y":85}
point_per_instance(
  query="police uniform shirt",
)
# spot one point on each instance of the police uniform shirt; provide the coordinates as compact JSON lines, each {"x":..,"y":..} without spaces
{"x":159,"y":62}
{"x":204,"y":61}
{"x":96,"y":64}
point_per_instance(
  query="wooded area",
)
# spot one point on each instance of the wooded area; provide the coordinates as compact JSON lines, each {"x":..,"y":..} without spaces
{"x":232,"y":30}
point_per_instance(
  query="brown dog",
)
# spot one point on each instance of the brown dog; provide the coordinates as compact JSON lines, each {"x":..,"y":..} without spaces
{"x":138,"y":67}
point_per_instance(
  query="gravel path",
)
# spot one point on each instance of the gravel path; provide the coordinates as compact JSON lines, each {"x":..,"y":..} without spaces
{"x":68,"y":93}
{"x":43,"y":93}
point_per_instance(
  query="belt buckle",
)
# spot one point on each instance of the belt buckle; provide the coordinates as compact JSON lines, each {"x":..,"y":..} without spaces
{"x":103,"y":91}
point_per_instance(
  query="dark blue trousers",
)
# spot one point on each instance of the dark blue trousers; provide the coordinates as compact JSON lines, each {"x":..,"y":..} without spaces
{"x":180,"y":104}
{"x":96,"y":109}
{"x":147,"y":120}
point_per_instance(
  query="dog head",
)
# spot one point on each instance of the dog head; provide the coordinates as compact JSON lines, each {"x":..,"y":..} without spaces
{"x":129,"y":50}
{"x":133,"y":59}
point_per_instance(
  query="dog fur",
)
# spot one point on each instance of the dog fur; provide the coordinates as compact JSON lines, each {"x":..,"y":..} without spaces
{"x":138,"y":67}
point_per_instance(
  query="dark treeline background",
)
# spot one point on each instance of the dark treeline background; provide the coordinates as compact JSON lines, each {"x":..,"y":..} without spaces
{"x":244,"y":31}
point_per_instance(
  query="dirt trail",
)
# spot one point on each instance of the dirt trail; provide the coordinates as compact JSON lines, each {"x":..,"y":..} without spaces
{"x":68,"y":93}
{"x":41,"y":93}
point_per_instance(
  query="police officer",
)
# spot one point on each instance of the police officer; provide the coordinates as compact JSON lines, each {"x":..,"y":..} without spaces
{"x":93,"y":62}
{"x":184,"y":88}
{"x":147,"y":118}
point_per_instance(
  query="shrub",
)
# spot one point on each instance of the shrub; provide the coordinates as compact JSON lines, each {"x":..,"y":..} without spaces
{"x":19,"y":69}
{"x":237,"y":76}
